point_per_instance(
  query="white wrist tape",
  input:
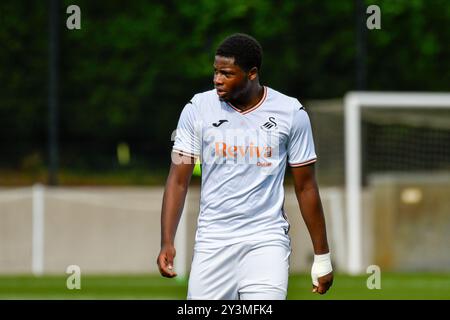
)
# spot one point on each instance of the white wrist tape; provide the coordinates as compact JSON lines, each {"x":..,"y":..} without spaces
{"x":321,"y":266}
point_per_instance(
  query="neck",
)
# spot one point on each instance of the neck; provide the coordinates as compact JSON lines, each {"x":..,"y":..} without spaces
{"x":250,"y":99}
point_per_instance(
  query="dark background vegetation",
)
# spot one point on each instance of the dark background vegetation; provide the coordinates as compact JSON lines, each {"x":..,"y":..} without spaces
{"x":126,"y":75}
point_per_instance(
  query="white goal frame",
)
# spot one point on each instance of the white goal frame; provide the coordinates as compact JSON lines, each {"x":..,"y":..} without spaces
{"x":353,"y":103}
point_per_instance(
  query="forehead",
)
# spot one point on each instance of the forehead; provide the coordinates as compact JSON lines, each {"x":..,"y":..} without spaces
{"x":221,"y":62}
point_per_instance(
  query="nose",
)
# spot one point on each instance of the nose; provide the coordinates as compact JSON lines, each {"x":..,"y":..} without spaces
{"x":218,"y":80}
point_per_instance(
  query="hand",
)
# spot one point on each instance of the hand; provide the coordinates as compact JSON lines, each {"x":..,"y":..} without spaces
{"x":324,"y":282}
{"x":165,"y":261}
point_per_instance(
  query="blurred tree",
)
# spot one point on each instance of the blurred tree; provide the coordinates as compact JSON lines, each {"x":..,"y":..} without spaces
{"x":126,"y":75}
{"x":23,"y":86}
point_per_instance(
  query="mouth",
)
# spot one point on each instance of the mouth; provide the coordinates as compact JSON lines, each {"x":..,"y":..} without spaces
{"x":221,"y":92}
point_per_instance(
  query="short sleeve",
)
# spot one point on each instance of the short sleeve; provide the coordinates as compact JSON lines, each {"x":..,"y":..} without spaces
{"x":300,"y":147}
{"x":188,"y":133}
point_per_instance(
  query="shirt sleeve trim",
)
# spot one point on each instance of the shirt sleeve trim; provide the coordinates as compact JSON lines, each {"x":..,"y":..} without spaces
{"x":184,"y":153}
{"x":301,"y":164}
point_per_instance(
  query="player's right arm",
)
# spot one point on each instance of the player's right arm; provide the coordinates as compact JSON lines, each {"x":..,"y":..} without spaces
{"x":173,"y":201}
{"x":186,"y":148}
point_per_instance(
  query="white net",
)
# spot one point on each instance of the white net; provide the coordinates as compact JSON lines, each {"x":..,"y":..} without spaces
{"x":392,"y":140}
{"x":394,"y":162}
{"x":406,"y":140}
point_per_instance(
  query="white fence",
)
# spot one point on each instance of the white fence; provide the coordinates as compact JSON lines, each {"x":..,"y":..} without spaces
{"x":117,"y":230}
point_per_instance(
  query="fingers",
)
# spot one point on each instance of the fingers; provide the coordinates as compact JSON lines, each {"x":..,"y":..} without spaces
{"x":165,"y":265}
{"x":166,"y":270}
{"x":322,"y":289}
{"x":324,"y":283}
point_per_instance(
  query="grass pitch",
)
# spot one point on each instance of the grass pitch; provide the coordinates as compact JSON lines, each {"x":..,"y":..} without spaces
{"x":393,"y":286}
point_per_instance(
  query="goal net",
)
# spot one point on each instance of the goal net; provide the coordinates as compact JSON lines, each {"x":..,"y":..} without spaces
{"x":397,"y":146}
{"x":387,"y":155}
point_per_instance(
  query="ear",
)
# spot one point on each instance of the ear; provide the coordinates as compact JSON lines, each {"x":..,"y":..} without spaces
{"x":253,"y":73}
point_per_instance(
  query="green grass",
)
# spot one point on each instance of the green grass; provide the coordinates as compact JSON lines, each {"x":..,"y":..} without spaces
{"x":404,"y":286}
{"x":393,"y":286}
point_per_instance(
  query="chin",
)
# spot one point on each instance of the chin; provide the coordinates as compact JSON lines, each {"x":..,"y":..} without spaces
{"x":223,"y":97}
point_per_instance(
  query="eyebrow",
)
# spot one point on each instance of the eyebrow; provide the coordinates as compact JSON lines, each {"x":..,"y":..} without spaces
{"x":223,"y":68}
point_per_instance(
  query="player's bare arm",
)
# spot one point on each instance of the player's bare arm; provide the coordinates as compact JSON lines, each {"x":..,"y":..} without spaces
{"x":173,"y":201}
{"x":308,"y":197}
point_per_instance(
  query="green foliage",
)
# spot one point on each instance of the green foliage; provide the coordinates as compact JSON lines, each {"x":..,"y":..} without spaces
{"x":126,"y":75}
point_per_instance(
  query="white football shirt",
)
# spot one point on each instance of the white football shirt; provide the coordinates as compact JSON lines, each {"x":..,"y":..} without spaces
{"x":244,"y":156}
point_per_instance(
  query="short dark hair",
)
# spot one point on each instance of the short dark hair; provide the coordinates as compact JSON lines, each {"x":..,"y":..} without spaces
{"x":246,"y":51}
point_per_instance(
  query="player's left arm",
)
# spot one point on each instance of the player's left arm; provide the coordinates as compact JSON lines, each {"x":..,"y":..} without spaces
{"x":308,"y":197}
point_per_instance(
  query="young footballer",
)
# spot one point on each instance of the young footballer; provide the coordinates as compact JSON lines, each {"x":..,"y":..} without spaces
{"x":245,"y":134}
